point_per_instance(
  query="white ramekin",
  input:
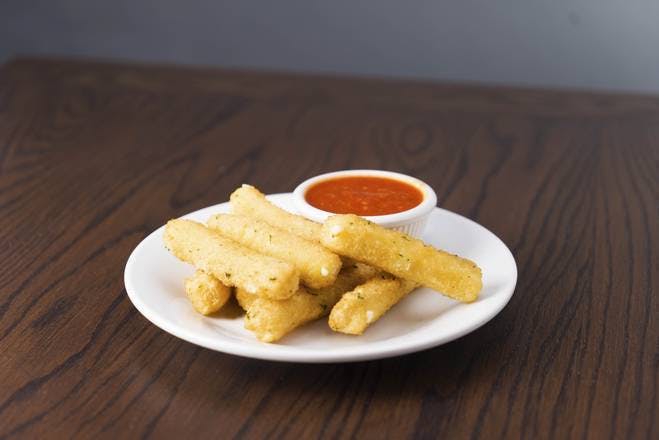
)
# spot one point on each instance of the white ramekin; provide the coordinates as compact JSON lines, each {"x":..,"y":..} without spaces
{"x":412,"y":222}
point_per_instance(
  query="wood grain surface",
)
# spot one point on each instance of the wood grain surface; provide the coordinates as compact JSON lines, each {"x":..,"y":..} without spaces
{"x":95,"y":156}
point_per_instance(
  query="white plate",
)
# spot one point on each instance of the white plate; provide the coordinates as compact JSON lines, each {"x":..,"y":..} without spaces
{"x":424,"y":319}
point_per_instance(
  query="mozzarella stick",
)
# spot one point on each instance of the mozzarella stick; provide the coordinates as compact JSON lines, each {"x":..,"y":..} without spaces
{"x":365,"y":304}
{"x":250,"y":202}
{"x":206,"y":293}
{"x":349,"y":277}
{"x":318,"y":266}
{"x":403,"y":256}
{"x":230,"y":262}
{"x":271,"y":320}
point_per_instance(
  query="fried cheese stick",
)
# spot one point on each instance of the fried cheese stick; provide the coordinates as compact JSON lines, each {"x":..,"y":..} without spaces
{"x":206,"y":293}
{"x":250,"y":202}
{"x":230,"y":262}
{"x":403,"y":256}
{"x":365,"y":304}
{"x":271,"y":320}
{"x":317,"y":265}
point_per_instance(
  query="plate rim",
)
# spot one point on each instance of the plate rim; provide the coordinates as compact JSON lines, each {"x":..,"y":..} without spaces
{"x":280,"y":353}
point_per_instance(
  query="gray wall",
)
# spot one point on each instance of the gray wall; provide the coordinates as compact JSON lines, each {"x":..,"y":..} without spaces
{"x":580,"y":43}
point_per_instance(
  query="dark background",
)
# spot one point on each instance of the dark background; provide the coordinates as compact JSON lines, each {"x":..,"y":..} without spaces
{"x":601,"y":44}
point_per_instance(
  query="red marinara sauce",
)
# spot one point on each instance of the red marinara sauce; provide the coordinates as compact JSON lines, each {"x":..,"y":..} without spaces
{"x":363,"y":195}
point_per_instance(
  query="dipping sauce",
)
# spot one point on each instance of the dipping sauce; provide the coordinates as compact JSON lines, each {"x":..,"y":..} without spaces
{"x":363,"y":195}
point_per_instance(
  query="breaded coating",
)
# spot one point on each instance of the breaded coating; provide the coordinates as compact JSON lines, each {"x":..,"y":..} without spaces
{"x":250,"y":202}
{"x":317,"y":265}
{"x":271,"y":320}
{"x":403,"y":256}
{"x":230,"y":262}
{"x":365,"y":304}
{"x":349,"y":278}
{"x":206,"y":293}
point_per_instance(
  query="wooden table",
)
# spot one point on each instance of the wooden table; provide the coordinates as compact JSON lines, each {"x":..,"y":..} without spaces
{"x":95,"y":156}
